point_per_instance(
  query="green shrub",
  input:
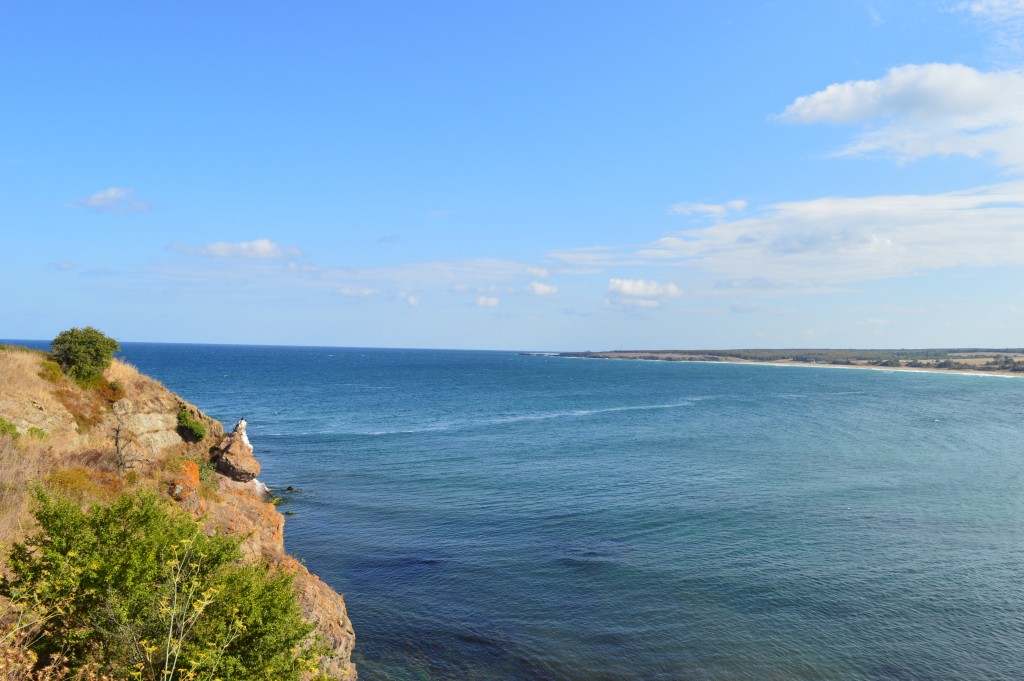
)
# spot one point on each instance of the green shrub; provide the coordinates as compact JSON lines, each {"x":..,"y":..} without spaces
{"x":142,"y":592}
{"x":50,"y":370}
{"x":189,"y":426}
{"x":83,"y":354}
{"x":9,"y":429}
{"x":208,"y":474}
{"x":37,"y":433}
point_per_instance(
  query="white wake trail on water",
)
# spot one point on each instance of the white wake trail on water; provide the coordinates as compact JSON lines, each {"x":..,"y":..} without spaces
{"x":520,"y":418}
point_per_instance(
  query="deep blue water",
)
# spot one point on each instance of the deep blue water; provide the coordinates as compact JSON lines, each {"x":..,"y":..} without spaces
{"x":496,"y":516}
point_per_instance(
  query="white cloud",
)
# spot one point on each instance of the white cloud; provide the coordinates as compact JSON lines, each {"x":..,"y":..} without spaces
{"x":64,"y":266}
{"x":715,"y":210}
{"x":258,"y":249}
{"x":744,"y":308}
{"x":358,"y":292}
{"x":999,"y":8}
{"x":639,"y":292}
{"x":925,"y":110}
{"x":487,"y":301}
{"x":641,"y":288}
{"x":114,"y":200}
{"x":540,"y":289}
{"x":834,"y":241}
{"x":538,"y":272}
{"x":411,"y":299}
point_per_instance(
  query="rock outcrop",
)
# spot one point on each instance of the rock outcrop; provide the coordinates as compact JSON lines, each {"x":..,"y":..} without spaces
{"x":234,"y":457}
{"x":244,"y":509}
{"x":136,"y":432}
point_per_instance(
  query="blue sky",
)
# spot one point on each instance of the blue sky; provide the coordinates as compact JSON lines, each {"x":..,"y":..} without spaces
{"x":528,"y":175}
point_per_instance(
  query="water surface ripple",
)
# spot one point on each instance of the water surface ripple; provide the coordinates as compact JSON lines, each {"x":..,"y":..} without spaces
{"x":496,"y":516}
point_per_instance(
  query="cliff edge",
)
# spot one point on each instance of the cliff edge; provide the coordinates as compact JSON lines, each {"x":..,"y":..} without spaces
{"x":131,"y":432}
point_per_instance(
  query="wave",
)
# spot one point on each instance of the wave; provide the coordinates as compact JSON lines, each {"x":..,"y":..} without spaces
{"x":520,"y":418}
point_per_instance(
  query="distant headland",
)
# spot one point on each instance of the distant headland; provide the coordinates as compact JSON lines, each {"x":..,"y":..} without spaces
{"x":1006,"y":361}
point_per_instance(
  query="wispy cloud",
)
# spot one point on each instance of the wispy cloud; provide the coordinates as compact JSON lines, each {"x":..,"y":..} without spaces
{"x":64,"y":266}
{"x":641,"y":288}
{"x":258,"y":249}
{"x":832,"y":241}
{"x":538,"y":288}
{"x":357,"y":292}
{"x":119,"y":200}
{"x":487,"y":301}
{"x":1004,"y":21}
{"x":715,"y":210}
{"x":926,"y":110}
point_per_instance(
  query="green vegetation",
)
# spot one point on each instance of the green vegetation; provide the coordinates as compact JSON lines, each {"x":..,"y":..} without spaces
{"x":83,"y":354}
{"x":50,"y":370}
{"x":9,"y":429}
{"x":1004,"y":363}
{"x":37,"y":433}
{"x":189,"y":426}
{"x":137,"y":590}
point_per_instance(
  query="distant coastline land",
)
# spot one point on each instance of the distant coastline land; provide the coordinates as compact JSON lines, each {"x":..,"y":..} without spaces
{"x":999,"y":362}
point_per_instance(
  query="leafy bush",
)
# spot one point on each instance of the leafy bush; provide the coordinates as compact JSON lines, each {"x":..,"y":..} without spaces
{"x":142,"y":592}
{"x":37,"y":433}
{"x":83,"y":354}
{"x":189,"y":426}
{"x":50,"y":370}
{"x":7,"y":428}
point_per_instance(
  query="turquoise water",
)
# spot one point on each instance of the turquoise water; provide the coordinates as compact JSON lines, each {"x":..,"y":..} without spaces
{"x":496,"y":516}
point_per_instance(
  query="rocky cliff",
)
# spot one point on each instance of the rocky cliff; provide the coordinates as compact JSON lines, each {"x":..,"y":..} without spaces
{"x":98,"y":442}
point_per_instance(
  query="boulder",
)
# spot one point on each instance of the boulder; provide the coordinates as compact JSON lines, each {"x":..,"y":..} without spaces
{"x":233,"y":456}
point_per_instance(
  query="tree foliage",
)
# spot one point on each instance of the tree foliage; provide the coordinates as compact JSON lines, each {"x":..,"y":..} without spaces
{"x":143,"y":593}
{"x":83,"y":354}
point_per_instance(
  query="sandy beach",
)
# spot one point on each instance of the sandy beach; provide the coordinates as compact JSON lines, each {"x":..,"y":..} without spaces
{"x":977,"y":359}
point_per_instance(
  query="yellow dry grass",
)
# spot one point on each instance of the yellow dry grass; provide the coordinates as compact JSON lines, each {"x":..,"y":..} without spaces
{"x":77,"y":461}
{"x":20,"y":379}
{"x":77,"y":454}
{"x":138,"y":387}
{"x":22,"y":466}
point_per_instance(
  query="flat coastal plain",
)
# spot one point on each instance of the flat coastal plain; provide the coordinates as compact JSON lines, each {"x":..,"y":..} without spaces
{"x":999,"y":362}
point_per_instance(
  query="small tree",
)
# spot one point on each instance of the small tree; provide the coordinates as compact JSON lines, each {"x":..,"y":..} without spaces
{"x":83,"y":354}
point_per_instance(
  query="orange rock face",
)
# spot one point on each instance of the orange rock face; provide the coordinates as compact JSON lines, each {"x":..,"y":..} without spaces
{"x":186,"y":488}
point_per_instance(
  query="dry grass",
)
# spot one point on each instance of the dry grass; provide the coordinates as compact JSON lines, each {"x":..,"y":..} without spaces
{"x":136,"y":385}
{"x":19,"y":663}
{"x":23,"y":465}
{"x":20,"y":379}
{"x":76,"y":453}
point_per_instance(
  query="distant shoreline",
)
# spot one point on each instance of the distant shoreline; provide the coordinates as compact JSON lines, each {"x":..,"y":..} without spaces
{"x":971,"y":363}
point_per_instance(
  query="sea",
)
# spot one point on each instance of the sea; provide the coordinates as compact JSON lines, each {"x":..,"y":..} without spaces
{"x":499,"y":516}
